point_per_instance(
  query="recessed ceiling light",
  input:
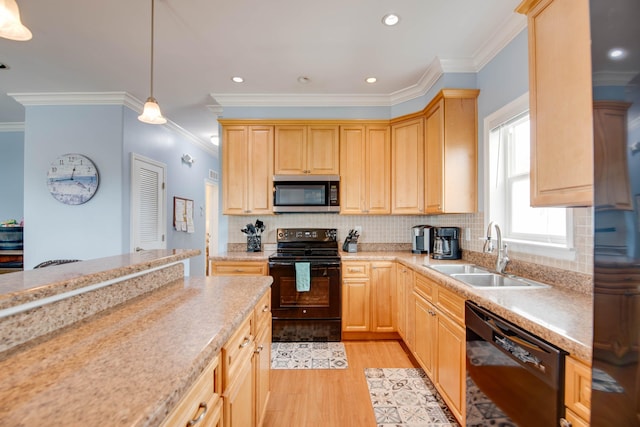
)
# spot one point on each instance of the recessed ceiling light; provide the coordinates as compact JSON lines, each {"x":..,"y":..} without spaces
{"x":303,"y":80}
{"x":390,"y":19}
{"x":237,"y":79}
{"x":617,"y":53}
{"x":370,"y":80}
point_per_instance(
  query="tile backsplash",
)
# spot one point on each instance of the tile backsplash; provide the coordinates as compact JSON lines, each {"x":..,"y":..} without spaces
{"x":396,"y":229}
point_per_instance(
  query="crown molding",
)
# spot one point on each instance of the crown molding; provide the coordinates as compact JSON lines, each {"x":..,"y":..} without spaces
{"x":12,"y":127}
{"x":503,"y":35}
{"x":299,"y":100}
{"x":103,"y":98}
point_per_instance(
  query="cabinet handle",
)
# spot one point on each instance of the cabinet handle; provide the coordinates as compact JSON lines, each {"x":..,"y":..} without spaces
{"x":203,"y":406}
{"x":265,"y":309}
{"x":565,"y":423}
{"x":259,"y":349}
{"x":245,"y":342}
{"x":238,"y":270}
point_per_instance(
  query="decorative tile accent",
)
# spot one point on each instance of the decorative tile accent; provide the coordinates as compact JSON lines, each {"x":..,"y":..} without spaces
{"x":308,"y":355}
{"x":405,"y":397}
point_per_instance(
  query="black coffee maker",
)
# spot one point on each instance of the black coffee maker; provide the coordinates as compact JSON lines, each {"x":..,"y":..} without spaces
{"x":446,"y":243}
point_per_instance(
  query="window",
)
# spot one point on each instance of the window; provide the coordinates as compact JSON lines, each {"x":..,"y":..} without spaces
{"x":524,"y":227}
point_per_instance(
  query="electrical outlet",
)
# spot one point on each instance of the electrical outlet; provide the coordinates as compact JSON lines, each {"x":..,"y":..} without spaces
{"x":358,"y":229}
{"x":467,"y":234}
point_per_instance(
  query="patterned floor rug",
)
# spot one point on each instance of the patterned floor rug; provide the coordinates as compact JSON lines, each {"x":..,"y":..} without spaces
{"x":406,"y":397}
{"x":308,"y":355}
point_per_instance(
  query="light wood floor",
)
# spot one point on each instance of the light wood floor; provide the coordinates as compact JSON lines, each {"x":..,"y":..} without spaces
{"x":332,"y":397}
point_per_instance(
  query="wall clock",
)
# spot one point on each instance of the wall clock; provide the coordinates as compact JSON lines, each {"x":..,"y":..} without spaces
{"x":72,"y":179}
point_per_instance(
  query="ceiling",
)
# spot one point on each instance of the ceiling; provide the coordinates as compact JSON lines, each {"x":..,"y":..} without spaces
{"x":91,"y":46}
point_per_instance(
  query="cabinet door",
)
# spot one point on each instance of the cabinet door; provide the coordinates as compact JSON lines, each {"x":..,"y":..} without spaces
{"x":260,"y":171}
{"x":234,"y":170}
{"x":262,"y":373}
{"x":356,"y":306}
{"x":352,"y":169}
{"x":378,"y":170}
{"x":425,"y":334}
{"x":290,"y":150}
{"x":238,"y":400}
{"x":451,"y":368}
{"x":323,"y":150}
{"x":560,"y":100}
{"x":434,"y":134}
{"x":407,"y":168}
{"x":577,"y":392}
{"x":611,"y":170}
{"x":383,"y":288}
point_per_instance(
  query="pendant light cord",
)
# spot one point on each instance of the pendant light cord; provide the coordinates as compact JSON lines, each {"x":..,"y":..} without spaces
{"x":152,"y":15}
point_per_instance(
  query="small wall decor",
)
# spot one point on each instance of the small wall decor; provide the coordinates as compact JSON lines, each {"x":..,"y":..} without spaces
{"x":72,"y":179}
{"x":183,"y":215}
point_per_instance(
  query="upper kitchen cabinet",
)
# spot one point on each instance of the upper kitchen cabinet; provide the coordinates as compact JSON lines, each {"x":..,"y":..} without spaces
{"x":407,"y":165}
{"x":365,"y":169}
{"x":451,"y":129}
{"x":611,"y":169}
{"x":247,"y":170}
{"x":560,"y":102}
{"x":307,"y":149}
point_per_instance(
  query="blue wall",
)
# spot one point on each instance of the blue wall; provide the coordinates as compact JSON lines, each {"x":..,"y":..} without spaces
{"x":101,"y":227}
{"x":11,"y":179}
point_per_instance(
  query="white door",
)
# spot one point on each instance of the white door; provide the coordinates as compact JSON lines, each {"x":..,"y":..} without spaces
{"x":148,"y":195}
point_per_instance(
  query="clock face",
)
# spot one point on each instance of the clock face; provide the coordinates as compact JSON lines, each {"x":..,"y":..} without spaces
{"x":72,"y":179}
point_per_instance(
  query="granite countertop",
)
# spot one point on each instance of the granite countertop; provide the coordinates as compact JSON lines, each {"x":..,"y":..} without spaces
{"x":560,"y":316}
{"x":32,"y":285}
{"x":128,"y":365}
{"x":242,"y":256}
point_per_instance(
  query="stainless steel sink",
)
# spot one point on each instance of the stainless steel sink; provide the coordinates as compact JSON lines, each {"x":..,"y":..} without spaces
{"x":494,"y":280}
{"x":451,"y":269}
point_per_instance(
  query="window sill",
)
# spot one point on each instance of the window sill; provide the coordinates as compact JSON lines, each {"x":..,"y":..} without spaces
{"x":548,"y":250}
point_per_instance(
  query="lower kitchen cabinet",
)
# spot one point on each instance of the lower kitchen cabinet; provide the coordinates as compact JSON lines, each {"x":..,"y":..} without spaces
{"x":202,"y":404}
{"x":368,"y":298}
{"x":247,"y":368}
{"x":239,"y":268}
{"x":404,"y":289}
{"x":440,"y":342}
{"x":577,"y":392}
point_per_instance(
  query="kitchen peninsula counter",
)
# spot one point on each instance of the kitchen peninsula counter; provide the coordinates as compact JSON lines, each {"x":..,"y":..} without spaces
{"x":130,"y":364}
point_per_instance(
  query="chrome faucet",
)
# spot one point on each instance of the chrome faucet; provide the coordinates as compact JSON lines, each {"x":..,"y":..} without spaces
{"x":503,"y":258}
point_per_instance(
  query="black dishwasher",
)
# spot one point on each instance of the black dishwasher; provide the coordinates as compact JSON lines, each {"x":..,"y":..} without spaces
{"x":513,"y":377}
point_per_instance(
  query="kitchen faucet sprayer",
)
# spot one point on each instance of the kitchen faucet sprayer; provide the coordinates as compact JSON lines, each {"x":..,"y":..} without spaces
{"x":503,"y":258}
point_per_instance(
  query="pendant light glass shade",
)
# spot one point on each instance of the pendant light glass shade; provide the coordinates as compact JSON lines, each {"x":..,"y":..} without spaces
{"x":151,"y":112}
{"x":11,"y":26}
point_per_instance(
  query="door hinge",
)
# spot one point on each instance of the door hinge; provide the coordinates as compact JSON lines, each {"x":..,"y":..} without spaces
{"x":163,"y":185}
{"x":163,"y":237}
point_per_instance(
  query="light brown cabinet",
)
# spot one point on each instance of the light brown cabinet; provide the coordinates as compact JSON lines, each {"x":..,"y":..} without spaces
{"x":611,"y":170}
{"x":440,"y":340}
{"x":365,"y":169}
{"x":451,"y":141}
{"x":560,"y":102}
{"x":404,"y":290}
{"x":239,"y":268}
{"x":202,"y":403}
{"x":262,"y":357}
{"x":407,"y":166}
{"x":307,"y":149}
{"x":368,"y":297}
{"x":577,"y":392}
{"x":247,"y":170}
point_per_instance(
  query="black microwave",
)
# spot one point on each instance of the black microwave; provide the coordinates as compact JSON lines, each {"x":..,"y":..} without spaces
{"x":306,"y":193}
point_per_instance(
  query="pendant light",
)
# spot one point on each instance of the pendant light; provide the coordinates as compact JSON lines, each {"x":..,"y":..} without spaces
{"x":11,"y":26}
{"x":151,"y":113}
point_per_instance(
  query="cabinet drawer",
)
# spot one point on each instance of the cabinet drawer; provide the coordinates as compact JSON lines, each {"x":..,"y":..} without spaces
{"x":262,"y":313}
{"x":577,"y":392}
{"x":203,"y":396}
{"x":237,"y":351}
{"x":355,"y":269}
{"x":424,"y":287}
{"x":451,"y":304}
{"x":239,"y":268}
